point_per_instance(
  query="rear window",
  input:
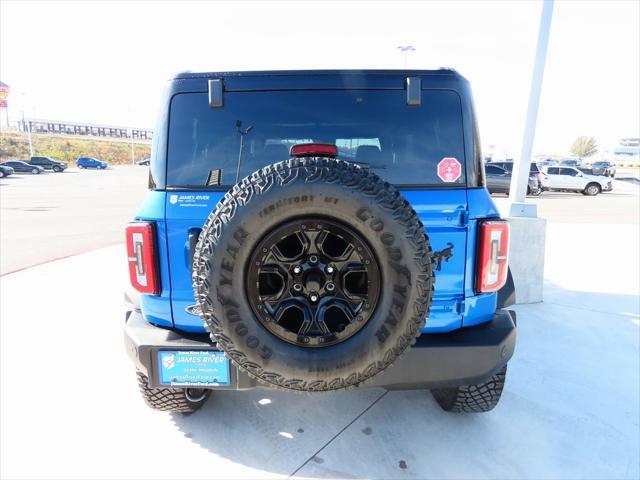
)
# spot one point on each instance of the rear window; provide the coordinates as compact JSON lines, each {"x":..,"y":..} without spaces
{"x":376,"y":129}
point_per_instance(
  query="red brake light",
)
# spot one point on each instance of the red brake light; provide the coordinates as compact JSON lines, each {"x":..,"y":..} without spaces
{"x":493,"y":256}
{"x":141,"y":256}
{"x":314,"y":150}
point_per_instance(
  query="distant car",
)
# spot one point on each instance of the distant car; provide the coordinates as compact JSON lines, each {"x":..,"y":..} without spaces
{"x":23,"y":167}
{"x":571,"y":162}
{"x":573,"y":180}
{"x":607,"y":169}
{"x":90,"y":162}
{"x":499,"y":181}
{"x":548,"y":162}
{"x":48,"y":163}
{"x":5,"y":171}
{"x":145,"y":161}
{"x":534,"y":171}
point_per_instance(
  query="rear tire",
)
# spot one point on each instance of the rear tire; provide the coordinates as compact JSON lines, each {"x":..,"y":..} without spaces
{"x":478,"y":398}
{"x":1,"y":174}
{"x":179,"y":400}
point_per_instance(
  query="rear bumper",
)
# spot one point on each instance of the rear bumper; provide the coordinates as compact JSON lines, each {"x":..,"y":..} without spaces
{"x":463,"y":357}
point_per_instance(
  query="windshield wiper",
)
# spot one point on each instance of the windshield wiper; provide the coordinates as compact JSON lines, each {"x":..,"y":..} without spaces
{"x":376,"y":166}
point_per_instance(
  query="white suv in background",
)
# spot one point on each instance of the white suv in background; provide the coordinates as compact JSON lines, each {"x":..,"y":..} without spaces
{"x":572,"y":179}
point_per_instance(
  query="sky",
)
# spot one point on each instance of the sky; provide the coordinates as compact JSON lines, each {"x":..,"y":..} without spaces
{"x":107,"y":62}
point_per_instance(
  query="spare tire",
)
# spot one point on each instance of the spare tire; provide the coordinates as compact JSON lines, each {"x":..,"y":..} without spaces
{"x":313,"y":274}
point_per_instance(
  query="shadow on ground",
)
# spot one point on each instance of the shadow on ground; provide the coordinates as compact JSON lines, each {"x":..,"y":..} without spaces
{"x":570,"y":409}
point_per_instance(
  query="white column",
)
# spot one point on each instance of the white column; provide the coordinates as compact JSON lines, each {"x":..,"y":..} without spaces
{"x":520,"y":176}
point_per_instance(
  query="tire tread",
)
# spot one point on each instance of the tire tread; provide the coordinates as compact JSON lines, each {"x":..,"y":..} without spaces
{"x":166,"y":399}
{"x":312,"y":170}
{"x":478,"y":398}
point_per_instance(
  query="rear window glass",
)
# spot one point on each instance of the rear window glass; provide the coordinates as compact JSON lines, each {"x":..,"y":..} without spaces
{"x":376,"y":129}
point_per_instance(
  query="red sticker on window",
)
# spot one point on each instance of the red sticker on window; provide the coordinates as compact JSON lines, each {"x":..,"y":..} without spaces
{"x":449,"y":169}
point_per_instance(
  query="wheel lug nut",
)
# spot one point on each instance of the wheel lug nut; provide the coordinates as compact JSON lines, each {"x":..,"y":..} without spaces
{"x":313,"y":259}
{"x":313,"y":297}
{"x":297,"y":287}
{"x":330,"y":287}
{"x":297,"y":269}
{"x":330,"y":269}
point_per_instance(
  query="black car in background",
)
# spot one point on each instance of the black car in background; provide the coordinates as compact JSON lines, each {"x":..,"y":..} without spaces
{"x":5,"y":171}
{"x":48,"y":163}
{"x":23,"y":167}
{"x":607,"y":169}
{"x":499,"y":180}
{"x":535,"y":176}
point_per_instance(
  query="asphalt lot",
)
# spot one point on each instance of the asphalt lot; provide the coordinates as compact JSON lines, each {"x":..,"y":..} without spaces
{"x":51,"y":216}
{"x":54,"y":215}
{"x":69,"y":406}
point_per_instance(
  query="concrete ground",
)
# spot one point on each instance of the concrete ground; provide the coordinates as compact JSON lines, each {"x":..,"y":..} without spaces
{"x":54,"y":215}
{"x":69,"y":406}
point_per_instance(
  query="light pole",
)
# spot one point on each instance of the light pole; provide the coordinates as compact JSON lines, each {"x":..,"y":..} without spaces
{"x":27,"y":126}
{"x":133,"y":158}
{"x":522,"y":165}
{"x":405,"y":50}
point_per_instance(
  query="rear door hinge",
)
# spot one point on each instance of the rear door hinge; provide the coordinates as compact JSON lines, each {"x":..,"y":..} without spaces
{"x":464,"y":218}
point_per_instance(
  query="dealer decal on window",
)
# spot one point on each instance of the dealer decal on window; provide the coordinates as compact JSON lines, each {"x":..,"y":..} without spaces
{"x":449,"y":169}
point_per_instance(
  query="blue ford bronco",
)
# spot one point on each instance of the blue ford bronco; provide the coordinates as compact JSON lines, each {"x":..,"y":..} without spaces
{"x":316,"y":231}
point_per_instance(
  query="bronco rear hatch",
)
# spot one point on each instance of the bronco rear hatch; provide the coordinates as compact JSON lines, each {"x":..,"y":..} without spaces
{"x":222,"y":129}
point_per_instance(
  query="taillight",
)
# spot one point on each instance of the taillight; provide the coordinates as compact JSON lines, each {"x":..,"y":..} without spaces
{"x":314,"y":150}
{"x":493,"y":255}
{"x":141,"y":256}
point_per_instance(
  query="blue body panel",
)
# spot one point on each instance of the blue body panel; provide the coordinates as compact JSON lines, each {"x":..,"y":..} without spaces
{"x":444,"y":213}
{"x":450,"y":216}
{"x":156,"y":309}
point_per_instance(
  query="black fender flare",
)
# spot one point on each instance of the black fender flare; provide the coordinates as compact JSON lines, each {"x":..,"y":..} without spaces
{"x":507,"y":294}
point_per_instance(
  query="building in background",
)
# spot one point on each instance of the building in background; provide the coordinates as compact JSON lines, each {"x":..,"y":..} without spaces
{"x":59,"y":127}
{"x":626,"y":153}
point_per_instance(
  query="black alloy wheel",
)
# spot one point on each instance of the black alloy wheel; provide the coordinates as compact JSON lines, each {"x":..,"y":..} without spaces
{"x":313,"y":282}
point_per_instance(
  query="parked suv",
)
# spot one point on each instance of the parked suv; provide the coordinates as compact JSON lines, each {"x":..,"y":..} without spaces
{"x":48,"y":163}
{"x":573,"y":180}
{"x":534,"y":171}
{"x":90,"y":162}
{"x":607,"y":169}
{"x":308,"y":230}
{"x":499,"y":179}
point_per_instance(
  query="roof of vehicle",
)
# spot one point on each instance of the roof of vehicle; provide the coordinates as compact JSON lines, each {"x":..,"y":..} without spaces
{"x":250,"y":73}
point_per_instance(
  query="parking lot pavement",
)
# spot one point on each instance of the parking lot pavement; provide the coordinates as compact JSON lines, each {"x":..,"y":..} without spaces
{"x":54,"y":215}
{"x":50,"y":216}
{"x":620,"y":206}
{"x":69,"y":407}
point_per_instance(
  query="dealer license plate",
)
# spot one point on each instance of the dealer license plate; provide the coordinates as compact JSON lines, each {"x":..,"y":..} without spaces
{"x":193,"y":368}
